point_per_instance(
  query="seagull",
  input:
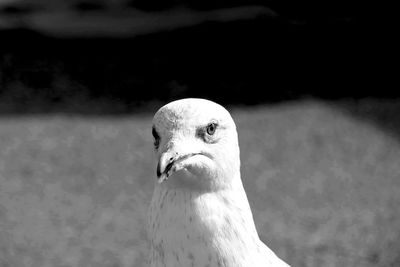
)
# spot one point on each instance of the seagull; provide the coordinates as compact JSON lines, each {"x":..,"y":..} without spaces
{"x":199,"y":214}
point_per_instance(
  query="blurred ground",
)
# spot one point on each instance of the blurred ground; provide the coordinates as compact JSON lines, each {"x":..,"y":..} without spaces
{"x":323,"y":185}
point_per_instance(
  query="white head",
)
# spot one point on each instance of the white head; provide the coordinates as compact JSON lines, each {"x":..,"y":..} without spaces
{"x":196,"y":145}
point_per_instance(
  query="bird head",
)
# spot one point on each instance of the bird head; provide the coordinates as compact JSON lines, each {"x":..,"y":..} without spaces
{"x":196,"y":145}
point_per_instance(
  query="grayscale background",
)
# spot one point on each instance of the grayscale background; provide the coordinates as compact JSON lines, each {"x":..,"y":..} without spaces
{"x":311,"y":85}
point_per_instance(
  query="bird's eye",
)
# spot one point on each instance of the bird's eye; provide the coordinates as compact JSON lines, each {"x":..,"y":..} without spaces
{"x":156,"y":137}
{"x":211,"y":128}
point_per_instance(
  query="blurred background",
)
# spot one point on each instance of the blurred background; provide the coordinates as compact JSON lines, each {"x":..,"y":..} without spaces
{"x":312,"y":86}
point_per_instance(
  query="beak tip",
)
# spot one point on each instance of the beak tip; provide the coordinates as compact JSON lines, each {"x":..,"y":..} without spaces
{"x":164,"y":167}
{"x":162,"y":178}
{"x":158,"y":171}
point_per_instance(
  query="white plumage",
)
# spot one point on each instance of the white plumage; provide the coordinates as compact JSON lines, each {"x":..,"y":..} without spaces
{"x":199,"y":214}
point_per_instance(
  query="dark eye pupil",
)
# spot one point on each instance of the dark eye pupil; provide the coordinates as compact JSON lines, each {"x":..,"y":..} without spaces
{"x":211,"y":128}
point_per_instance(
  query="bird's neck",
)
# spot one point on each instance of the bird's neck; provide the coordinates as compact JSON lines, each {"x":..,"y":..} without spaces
{"x":206,"y":218}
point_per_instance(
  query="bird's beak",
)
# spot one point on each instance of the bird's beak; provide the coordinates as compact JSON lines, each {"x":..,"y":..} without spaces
{"x":165,"y":165}
{"x":169,"y":163}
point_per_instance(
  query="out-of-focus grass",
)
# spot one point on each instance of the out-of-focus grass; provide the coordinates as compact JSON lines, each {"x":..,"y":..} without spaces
{"x":324,"y":187}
